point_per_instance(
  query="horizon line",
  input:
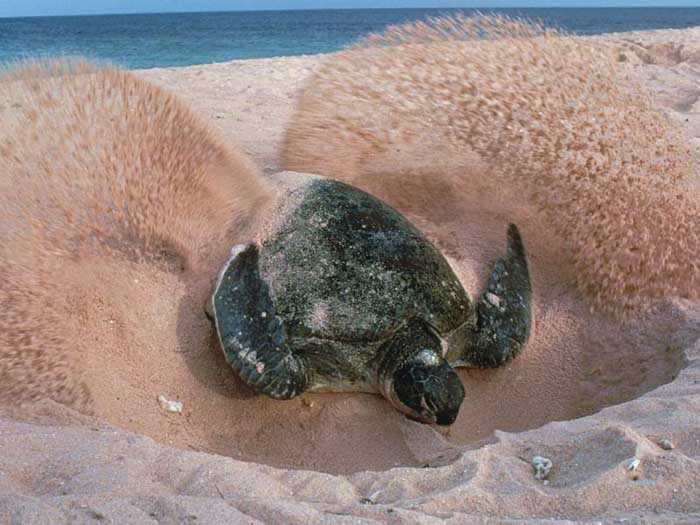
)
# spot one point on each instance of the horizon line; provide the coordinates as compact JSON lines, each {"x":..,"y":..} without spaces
{"x":485,"y":8}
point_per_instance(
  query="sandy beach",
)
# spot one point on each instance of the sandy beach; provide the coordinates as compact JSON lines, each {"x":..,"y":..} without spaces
{"x":614,"y":406}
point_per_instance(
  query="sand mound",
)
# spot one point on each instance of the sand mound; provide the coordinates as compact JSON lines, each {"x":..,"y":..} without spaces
{"x":99,"y":168}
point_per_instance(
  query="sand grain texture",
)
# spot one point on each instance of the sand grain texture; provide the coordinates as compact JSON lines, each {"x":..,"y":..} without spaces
{"x":147,"y":335}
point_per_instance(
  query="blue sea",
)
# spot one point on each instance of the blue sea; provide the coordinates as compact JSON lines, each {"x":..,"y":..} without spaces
{"x":153,"y":40}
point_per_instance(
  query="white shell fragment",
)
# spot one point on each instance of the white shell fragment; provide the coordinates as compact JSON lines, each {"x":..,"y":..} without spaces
{"x":633,"y":464}
{"x":542,"y":467}
{"x":170,"y":406}
{"x":666,"y":444}
{"x":371,"y":499}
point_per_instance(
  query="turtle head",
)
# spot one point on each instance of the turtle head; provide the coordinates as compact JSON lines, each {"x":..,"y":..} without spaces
{"x":426,"y":388}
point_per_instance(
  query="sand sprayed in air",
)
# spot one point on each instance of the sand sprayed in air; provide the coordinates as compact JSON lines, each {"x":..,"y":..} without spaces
{"x":98,"y":168}
{"x":537,"y":117}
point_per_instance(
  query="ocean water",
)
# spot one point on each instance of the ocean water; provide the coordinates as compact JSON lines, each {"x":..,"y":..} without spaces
{"x":154,"y":40}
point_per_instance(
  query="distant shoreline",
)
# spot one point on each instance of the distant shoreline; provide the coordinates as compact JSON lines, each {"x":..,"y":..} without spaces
{"x":313,"y":57}
{"x":144,"y":41}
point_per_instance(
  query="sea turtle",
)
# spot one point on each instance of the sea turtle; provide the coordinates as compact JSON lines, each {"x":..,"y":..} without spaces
{"x":342,"y":293}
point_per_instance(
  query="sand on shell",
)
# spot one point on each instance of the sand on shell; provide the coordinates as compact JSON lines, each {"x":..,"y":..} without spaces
{"x":149,"y":337}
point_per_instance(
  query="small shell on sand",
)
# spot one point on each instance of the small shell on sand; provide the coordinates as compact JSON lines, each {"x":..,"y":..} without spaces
{"x":542,"y":467}
{"x":666,"y":444}
{"x":371,"y":499}
{"x":170,"y":406}
{"x":633,"y":464}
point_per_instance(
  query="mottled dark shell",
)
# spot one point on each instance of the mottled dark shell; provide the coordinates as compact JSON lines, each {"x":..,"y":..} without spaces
{"x":343,"y":266}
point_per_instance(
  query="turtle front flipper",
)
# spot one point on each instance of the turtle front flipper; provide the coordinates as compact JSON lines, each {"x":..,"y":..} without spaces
{"x":251,"y":335}
{"x":504,"y":311}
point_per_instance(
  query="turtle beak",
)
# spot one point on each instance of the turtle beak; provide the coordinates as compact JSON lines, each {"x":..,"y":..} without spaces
{"x":447,"y":417}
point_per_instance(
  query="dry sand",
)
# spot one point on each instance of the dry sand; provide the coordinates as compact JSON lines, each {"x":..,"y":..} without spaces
{"x":151,"y":337}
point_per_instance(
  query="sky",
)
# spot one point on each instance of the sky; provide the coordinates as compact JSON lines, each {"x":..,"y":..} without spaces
{"x":74,"y":7}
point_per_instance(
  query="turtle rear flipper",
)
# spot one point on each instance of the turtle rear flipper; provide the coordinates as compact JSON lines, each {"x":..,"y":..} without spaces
{"x":504,"y":311}
{"x":251,"y":335}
